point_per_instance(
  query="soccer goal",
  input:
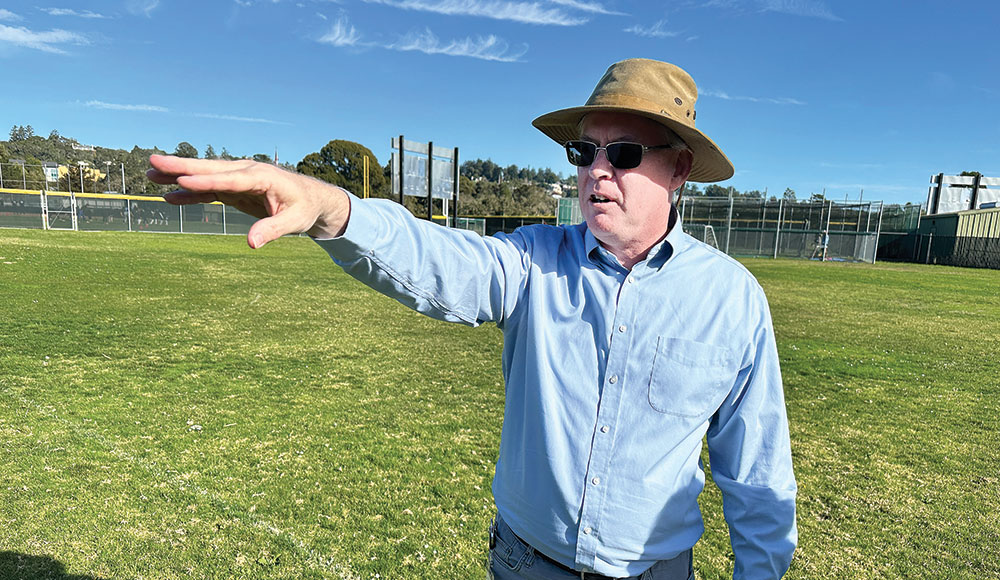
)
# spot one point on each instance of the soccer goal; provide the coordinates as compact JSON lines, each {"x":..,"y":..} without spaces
{"x":702,"y":232}
{"x":477,"y":225}
{"x":59,"y":211}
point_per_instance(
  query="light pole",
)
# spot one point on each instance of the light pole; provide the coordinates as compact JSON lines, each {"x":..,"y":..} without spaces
{"x":107,"y":176}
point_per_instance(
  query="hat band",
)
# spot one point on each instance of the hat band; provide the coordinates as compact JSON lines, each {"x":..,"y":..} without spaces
{"x":637,"y":103}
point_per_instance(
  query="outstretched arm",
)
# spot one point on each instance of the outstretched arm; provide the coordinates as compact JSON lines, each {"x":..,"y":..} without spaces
{"x":287,"y":203}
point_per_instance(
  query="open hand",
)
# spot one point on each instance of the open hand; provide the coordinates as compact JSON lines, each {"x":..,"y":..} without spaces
{"x":285,"y":202}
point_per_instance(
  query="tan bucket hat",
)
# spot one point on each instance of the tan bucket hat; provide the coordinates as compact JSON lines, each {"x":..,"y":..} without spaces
{"x":657,"y":90}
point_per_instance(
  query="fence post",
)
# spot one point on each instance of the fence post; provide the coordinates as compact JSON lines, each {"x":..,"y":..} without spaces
{"x":930,"y":242}
{"x":45,"y":209}
{"x":180,"y":219}
{"x":128,"y":213}
{"x":224,"y":230}
{"x":777,"y":229}
{"x":878,"y":229}
{"x":729,"y":224}
{"x":975,"y":190}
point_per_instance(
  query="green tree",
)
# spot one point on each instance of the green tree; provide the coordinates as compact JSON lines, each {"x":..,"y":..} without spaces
{"x":817,"y":198}
{"x":210,"y":152}
{"x":716,"y":190}
{"x":342,"y":163}
{"x":185,"y":149}
{"x":226,"y":155}
{"x":263,"y":158}
{"x":789,"y":194}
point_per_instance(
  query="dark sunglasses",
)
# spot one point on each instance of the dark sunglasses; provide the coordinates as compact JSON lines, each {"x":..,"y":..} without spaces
{"x":622,"y":155}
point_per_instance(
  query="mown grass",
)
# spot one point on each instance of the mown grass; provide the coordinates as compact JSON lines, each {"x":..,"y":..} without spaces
{"x":180,"y":406}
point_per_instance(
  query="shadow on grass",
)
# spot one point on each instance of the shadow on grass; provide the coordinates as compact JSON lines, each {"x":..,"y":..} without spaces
{"x":15,"y":566}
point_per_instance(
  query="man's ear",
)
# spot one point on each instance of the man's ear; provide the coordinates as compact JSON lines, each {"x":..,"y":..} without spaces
{"x":682,"y":168}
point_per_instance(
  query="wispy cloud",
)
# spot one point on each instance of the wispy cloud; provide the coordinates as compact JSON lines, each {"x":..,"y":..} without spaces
{"x":772,"y":100}
{"x":524,"y":12}
{"x":142,"y":108}
{"x":342,"y":34}
{"x":120,"y":107}
{"x":807,"y":8}
{"x":804,"y":8}
{"x":656,"y":30}
{"x":238,"y":118}
{"x":485,"y":48}
{"x":71,"y":12}
{"x":142,"y":7}
{"x":43,"y":41}
{"x":592,"y":7}
{"x":8,"y":15}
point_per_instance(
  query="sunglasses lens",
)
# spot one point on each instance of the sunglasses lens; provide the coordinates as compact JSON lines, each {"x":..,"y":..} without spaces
{"x":624,"y":155}
{"x":580,"y":153}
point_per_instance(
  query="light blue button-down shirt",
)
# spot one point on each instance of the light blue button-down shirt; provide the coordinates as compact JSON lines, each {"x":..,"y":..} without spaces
{"x":613,"y":379}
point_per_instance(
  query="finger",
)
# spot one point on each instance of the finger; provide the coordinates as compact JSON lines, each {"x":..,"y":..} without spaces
{"x":188,"y":197}
{"x":161,"y":178}
{"x":240,"y":181}
{"x":269,"y":229}
{"x":171,"y":165}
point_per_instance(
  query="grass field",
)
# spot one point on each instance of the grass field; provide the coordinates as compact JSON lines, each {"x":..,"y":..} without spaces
{"x":182,"y":407}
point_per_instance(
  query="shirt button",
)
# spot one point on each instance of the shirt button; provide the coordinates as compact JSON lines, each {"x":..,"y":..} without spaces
{"x":604,"y":428}
{"x":630,"y":280}
{"x":587,"y":530}
{"x":621,"y":328}
{"x":596,"y":481}
{"x":613,"y":379}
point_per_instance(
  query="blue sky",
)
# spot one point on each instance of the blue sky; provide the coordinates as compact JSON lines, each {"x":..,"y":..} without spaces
{"x":807,"y":94}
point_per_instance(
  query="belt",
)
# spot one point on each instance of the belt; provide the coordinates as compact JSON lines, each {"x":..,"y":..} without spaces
{"x":583,"y":575}
{"x":557,"y":564}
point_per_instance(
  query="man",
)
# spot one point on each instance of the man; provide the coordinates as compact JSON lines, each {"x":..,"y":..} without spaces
{"x":626,"y":342}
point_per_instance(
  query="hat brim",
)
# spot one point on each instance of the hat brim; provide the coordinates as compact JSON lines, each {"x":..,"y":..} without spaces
{"x":709,"y":164}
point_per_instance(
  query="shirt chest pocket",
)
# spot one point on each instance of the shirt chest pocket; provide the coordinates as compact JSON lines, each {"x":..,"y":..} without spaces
{"x":690,"y":379}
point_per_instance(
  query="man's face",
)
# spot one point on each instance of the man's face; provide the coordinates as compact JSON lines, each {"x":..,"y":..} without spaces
{"x":629,"y":209}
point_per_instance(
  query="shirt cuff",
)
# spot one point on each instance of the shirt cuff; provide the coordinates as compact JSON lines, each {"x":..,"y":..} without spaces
{"x":360,"y":236}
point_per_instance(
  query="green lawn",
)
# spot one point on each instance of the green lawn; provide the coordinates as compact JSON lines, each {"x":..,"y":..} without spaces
{"x":183,"y":407}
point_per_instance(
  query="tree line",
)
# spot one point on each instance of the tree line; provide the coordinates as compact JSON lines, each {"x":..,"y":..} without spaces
{"x":486,"y":188}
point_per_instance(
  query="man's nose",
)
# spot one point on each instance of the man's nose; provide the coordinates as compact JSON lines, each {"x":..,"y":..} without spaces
{"x":601,"y":165}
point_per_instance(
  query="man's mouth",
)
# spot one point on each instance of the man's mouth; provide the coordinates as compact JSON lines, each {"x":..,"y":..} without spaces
{"x":594,"y":198}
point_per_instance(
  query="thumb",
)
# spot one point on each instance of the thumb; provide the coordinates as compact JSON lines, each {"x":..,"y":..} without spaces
{"x":271,"y":228}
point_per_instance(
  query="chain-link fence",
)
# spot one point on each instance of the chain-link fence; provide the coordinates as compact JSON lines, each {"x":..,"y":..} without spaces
{"x":105,"y":212}
{"x":749,"y":227}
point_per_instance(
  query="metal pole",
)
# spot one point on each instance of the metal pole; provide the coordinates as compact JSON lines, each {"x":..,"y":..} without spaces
{"x":107,"y":176}
{"x":760,"y":234}
{"x":878,"y":231}
{"x":454,"y":186}
{"x":930,"y":242}
{"x":24,"y":180}
{"x":224,"y":230}
{"x":45,"y":209}
{"x":123,"y":181}
{"x":937,"y":194}
{"x":729,"y":223}
{"x":975,"y":191}
{"x":401,"y":170}
{"x":83,"y":183}
{"x":128,"y":213}
{"x":1,"y":175}
{"x":430,"y":180}
{"x":777,"y":228}
{"x":180,"y":217}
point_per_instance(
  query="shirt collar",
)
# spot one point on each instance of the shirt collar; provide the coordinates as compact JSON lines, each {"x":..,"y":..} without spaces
{"x":658,"y":255}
